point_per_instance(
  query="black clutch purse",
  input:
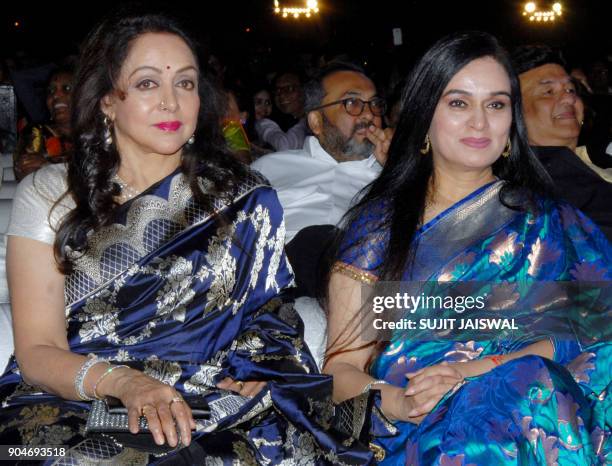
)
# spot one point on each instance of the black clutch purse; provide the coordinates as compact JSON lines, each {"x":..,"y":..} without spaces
{"x":109,"y":419}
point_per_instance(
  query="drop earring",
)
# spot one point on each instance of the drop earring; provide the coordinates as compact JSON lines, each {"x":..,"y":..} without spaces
{"x":108,"y":134}
{"x":426,"y":145}
{"x":506,"y":152}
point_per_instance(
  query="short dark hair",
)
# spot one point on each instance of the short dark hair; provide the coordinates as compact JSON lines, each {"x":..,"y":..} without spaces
{"x":313,"y":90}
{"x":527,"y":57}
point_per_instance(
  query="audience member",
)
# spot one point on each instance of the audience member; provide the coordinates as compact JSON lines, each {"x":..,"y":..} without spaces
{"x":317,"y":184}
{"x":554,"y":115}
{"x":262,"y":103}
{"x":259,"y":106}
{"x":289,"y":98}
{"x":232,"y":125}
{"x":49,"y":142}
{"x":461,"y":211}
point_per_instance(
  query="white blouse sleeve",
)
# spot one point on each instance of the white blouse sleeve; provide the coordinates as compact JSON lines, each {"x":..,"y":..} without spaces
{"x":33,"y":214}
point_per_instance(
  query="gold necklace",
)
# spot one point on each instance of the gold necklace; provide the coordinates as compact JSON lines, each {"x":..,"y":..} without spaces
{"x":127,"y":192}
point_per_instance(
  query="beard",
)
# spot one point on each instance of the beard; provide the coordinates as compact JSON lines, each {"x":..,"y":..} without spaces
{"x":341,"y":147}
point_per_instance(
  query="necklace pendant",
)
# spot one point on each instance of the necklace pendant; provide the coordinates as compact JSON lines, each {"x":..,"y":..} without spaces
{"x":127,"y":191}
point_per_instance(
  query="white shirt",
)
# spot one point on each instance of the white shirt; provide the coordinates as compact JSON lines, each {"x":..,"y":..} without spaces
{"x":313,"y":188}
{"x":269,"y":131}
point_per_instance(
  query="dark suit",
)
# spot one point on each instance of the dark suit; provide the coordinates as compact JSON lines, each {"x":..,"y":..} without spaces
{"x":575,"y":182}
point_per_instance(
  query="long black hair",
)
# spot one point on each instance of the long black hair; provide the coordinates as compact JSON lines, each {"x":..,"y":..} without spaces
{"x":403,"y":184}
{"x":405,"y":178}
{"x":93,"y":163}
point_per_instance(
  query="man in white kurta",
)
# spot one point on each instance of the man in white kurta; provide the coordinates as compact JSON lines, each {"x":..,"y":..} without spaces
{"x":313,"y":187}
{"x":318,"y":184}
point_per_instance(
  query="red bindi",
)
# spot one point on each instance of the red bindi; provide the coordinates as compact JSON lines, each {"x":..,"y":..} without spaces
{"x":168,"y":67}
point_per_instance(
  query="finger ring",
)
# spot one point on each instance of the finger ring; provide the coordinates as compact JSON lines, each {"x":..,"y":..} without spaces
{"x":240,"y":384}
{"x":142,"y":409}
{"x":177,"y":399}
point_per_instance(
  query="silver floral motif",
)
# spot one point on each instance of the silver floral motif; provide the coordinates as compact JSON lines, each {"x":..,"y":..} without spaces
{"x":223,"y":269}
{"x":103,"y":319}
{"x":168,"y":372}
{"x":205,"y":377}
{"x":177,"y":293}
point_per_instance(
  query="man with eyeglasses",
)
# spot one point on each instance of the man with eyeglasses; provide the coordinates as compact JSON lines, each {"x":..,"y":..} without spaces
{"x":554,"y":114}
{"x":318,"y":184}
{"x":289,"y":98}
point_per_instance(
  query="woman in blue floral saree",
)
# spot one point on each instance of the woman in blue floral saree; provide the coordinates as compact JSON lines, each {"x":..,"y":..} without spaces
{"x":169,"y":293}
{"x":452,"y":215}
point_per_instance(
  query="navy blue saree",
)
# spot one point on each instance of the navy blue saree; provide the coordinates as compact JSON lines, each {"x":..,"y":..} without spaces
{"x":190,"y":297}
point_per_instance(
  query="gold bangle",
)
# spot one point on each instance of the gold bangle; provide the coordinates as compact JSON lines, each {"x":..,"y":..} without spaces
{"x":106,"y":372}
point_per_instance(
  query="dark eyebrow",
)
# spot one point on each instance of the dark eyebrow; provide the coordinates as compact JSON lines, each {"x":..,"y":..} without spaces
{"x":459,"y":91}
{"x":553,"y":81}
{"x":157,"y":70}
{"x":188,"y":67}
{"x":140,"y":68}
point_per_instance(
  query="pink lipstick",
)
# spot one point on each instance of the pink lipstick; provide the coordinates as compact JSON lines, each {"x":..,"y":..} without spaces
{"x":476,"y":143}
{"x":169,"y":125}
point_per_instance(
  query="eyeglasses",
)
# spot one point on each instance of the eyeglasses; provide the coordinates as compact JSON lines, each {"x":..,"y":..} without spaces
{"x":355,"y":106}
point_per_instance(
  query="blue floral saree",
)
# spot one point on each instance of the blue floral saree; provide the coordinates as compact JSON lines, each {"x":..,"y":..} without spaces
{"x":190,"y":298}
{"x":530,"y":410}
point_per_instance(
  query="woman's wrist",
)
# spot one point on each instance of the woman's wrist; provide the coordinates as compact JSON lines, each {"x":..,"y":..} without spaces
{"x":110,"y":385}
{"x":474,"y":367}
{"x":394,"y":403}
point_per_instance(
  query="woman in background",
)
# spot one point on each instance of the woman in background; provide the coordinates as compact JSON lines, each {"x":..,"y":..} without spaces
{"x":49,"y":142}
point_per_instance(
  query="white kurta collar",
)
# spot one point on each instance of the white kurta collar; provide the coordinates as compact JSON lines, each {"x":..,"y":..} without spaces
{"x":313,"y":147}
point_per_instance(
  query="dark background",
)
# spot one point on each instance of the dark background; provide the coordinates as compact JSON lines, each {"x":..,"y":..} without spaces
{"x":361,"y":28}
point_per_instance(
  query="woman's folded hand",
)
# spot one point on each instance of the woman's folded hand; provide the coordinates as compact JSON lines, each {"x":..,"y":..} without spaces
{"x":428,"y":386}
{"x":165,"y":410}
{"x":250,"y":388}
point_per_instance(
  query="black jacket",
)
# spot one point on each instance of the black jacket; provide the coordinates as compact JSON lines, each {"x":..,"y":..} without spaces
{"x":575,"y":182}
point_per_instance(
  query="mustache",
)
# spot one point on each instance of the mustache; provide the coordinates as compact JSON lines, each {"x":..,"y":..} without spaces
{"x":362,"y":125}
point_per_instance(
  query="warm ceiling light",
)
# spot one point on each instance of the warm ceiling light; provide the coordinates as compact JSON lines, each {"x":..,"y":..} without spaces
{"x":309,"y":7}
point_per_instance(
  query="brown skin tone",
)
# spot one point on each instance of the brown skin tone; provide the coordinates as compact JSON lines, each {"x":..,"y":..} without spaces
{"x":59,"y":101}
{"x":288,"y":95}
{"x":341,"y":85}
{"x":262,"y":101}
{"x":553,"y":112}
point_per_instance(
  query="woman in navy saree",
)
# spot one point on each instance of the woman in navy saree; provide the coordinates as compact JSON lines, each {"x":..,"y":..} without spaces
{"x":173,"y":292}
{"x":537,"y":394}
